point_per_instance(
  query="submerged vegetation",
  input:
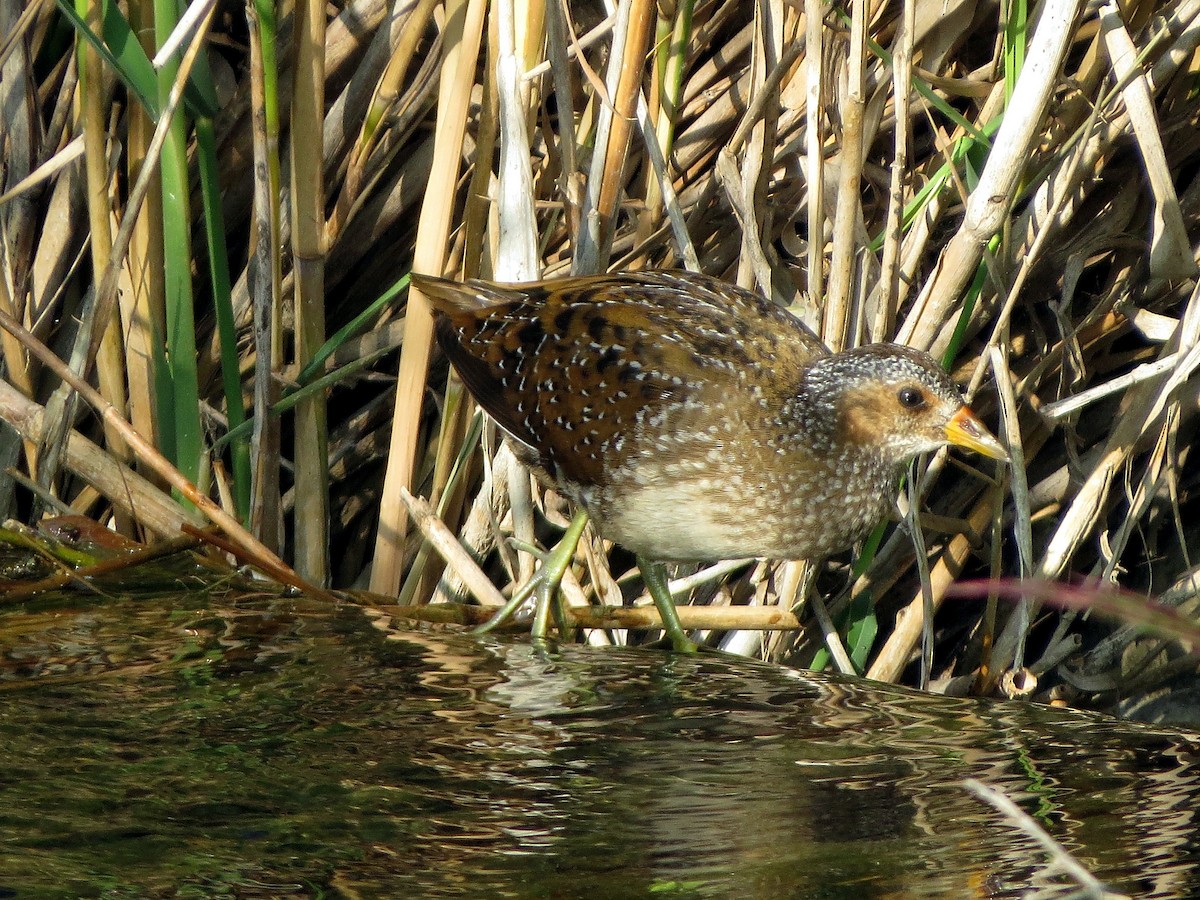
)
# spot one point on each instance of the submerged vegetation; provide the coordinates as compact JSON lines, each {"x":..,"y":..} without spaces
{"x":208,"y":220}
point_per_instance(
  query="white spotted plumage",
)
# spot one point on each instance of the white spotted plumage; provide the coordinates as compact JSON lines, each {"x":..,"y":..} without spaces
{"x":692,"y":419}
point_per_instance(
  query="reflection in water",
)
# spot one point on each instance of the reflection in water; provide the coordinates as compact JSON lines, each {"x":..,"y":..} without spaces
{"x":283,"y":749}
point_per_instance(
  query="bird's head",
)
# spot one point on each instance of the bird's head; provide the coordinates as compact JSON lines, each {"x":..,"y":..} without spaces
{"x":894,"y":400}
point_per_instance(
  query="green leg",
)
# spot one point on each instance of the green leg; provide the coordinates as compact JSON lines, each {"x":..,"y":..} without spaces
{"x":545,"y":582}
{"x":550,"y":575}
{"x":655,"y":576}
{"x":519,"y":596}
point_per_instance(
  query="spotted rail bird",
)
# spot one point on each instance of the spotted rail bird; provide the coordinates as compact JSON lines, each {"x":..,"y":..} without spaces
{"x":695,"y":420}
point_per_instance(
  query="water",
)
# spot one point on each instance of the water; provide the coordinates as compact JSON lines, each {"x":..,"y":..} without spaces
{"x":206,"y":747}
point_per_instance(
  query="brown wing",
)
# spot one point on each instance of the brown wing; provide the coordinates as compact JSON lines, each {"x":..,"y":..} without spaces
{"x":569,"y":365}
{"x":479,"y":327}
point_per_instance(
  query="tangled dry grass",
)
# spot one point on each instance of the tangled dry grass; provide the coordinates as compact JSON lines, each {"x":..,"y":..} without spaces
{"x":1012,"y":187}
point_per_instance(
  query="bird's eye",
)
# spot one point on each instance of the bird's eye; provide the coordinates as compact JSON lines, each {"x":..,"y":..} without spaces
{"x":910,"y":398}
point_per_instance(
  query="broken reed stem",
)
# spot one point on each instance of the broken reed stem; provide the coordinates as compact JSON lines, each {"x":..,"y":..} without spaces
{"x":144,"y":452}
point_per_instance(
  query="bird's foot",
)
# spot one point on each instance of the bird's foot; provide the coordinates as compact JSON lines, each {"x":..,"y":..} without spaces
{"x":545,"y":583}
{"x":654,"y":574}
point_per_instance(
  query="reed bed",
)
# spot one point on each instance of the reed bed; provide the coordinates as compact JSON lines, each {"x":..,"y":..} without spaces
{"x":208,"y":221}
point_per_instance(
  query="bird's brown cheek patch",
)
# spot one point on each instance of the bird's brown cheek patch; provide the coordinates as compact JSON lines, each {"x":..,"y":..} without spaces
{"x":864,"y":414}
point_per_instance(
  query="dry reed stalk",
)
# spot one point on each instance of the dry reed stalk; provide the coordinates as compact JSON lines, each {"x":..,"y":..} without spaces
{"x":147,"y":454}
{"x":1170,"y":249}
{"x":458,"y":65}
{"x":1060,"y":858}
{"x":134,"y":495}
{"x":516,"y":233}
{"x":756,"y":169}
{"x":265,"y":279}
{"x":93,"y":105}
{"x":84,"y":576}
{"x":311,"y":519}
{"x":386,"y":95}
{"x":141,"y":290}
{"x":814,"y":70}
{"x":664,"y":192}
{"x":887,"y":295}
{"x":448,"y":547}
{"x":901,"y":642}
{"x":839,"y":321}
{"x":18,"y":92}
{"x":992,"y":198}
{"x":693,"y":618}
{"x":631,"y":39}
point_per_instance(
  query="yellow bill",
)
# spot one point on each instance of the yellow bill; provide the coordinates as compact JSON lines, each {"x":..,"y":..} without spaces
{"x":965,"y":430}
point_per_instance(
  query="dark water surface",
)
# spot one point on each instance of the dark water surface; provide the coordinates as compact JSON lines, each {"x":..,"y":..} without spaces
{"x":181,"y":748}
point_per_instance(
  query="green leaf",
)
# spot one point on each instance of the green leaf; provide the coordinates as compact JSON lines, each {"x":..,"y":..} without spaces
{"x":355,"y":327}
{"x":124,"y":54}
{"x":120,"y":49}
{"x":864,"y":628}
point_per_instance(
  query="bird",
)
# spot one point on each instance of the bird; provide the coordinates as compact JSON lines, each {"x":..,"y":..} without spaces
{"x":695,"y":420}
